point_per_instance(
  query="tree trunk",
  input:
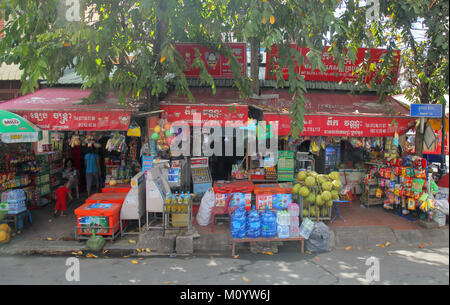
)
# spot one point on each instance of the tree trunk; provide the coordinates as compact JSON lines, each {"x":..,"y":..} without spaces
{"x":419,"y":142}
{"x":254,"y":65}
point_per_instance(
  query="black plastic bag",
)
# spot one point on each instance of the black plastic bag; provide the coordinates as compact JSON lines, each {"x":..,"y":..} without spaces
{"x":318,"y":241}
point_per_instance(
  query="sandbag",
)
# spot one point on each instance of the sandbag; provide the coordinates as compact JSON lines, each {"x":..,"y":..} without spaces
{"x":207,"y":204}
{"x":318,"y":241}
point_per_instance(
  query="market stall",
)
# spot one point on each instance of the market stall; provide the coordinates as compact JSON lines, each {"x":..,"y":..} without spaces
{"x":71,"y":127}
{"x":18,"y":169}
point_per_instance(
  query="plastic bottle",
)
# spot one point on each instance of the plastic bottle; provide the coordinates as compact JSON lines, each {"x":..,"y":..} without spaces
{"x":167,"y":202}
{"x":253,"y":224}
{"x":268,"y":224}
{"x":238,"y":223}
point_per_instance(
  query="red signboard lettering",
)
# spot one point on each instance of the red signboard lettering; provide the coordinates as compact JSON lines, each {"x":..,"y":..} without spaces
{"x":78,"y":120}
{"x":332,"y":72}
{"x":217,"y":65}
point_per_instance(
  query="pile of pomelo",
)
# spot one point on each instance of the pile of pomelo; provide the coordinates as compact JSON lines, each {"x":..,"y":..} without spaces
{"x":318,"y":192}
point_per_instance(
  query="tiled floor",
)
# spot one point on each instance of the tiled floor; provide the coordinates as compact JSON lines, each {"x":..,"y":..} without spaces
{"x":357,"y":215}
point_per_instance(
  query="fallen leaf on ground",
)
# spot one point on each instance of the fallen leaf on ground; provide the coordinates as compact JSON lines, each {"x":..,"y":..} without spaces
{"x":147,"y":250}
{"x":245,"y":279}
{"x":236,"y":256}
{"x":90,"y":255}
{"x":135,"y":262}
{"x":421,"y":246}
{"x":126,"y":256}
{"x":307,"y":252}
{"x":267,"y":252}
{"x":387,"y":244}
{"x":138,"y":250}
{"x":49,"y":238}
{"x":131,"y":241}
{"x":348,"y":248}
{"x":105,"y":251}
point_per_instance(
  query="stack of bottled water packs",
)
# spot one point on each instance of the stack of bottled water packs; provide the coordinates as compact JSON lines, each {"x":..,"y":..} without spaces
{"x":267,"y":224}
{"x":294,"y":223}
{"x":15,"y":200}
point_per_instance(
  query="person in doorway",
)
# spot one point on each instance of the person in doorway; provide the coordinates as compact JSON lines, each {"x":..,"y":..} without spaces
{"x":92,"y":161}
{"x":71,"y":174}
{"x":61,"y":198}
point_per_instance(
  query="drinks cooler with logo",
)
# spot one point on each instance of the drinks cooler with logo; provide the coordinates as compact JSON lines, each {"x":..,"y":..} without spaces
{"x":100,"y":212}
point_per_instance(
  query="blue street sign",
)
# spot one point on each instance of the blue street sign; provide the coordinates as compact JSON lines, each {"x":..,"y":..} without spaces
{"x":426,"y":110}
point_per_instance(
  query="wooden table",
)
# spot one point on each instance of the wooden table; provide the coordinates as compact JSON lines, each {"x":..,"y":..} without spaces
{"x":263,"y":239}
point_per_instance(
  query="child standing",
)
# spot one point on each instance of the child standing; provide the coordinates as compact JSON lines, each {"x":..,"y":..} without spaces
{"x":61,"y":196}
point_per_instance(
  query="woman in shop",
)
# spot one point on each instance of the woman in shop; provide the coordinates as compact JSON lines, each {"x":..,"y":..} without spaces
{"x":71,"y":174}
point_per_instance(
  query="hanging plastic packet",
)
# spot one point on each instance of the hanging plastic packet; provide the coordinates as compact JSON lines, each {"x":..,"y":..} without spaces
{"x":417,"y":185}
{"x":411,"y":204}
{"x":379,"y":193}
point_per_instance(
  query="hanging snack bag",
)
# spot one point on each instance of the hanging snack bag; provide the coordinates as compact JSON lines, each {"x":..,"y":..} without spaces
{"x":420,"y":173}
{"x":417,"y":195}
{"x":411,"y":204}
{"x":403,"y":171}
{"x":379,"y":193}
{"x":417,"y":185}
{"x":409,"y":182}
{"x":410,"y":172}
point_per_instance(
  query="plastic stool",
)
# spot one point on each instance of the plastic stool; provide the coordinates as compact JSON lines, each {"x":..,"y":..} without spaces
{"x":336,"y":210}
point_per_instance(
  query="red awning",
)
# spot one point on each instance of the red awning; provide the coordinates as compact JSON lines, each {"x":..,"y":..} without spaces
{"x":224,"y":106}
{"x":60,"y":109}
{"x":342,"y":114}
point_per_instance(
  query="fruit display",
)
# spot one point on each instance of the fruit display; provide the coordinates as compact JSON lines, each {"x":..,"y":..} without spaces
{"x":317,"y":193}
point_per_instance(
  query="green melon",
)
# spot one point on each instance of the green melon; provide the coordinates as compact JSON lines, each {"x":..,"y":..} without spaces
{"x":326,"y":195}
{"x":296,"y":188}
{"x":334,"y":175}
{"x":301,"y":176}
{"x":334,"y":195}
{"x":327,"y":186}
{"x":305,"y":213}
{"x":329,"y":204}
{"x":304,"y":191}
{"x":337,"y":185}
{"x":319,"y":200}
{"x":310,"y":181}
{"x":311,"y":198}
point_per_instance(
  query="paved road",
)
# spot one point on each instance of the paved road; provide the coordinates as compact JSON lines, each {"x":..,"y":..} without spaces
{"x":407,"y":265}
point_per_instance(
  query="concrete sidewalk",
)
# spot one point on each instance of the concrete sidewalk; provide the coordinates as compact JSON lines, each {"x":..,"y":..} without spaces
{"x":56,"y":236}
{"x":220,"y":243}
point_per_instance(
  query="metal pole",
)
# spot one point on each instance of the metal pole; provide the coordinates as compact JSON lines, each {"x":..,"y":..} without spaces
{"x":443,"y":134}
